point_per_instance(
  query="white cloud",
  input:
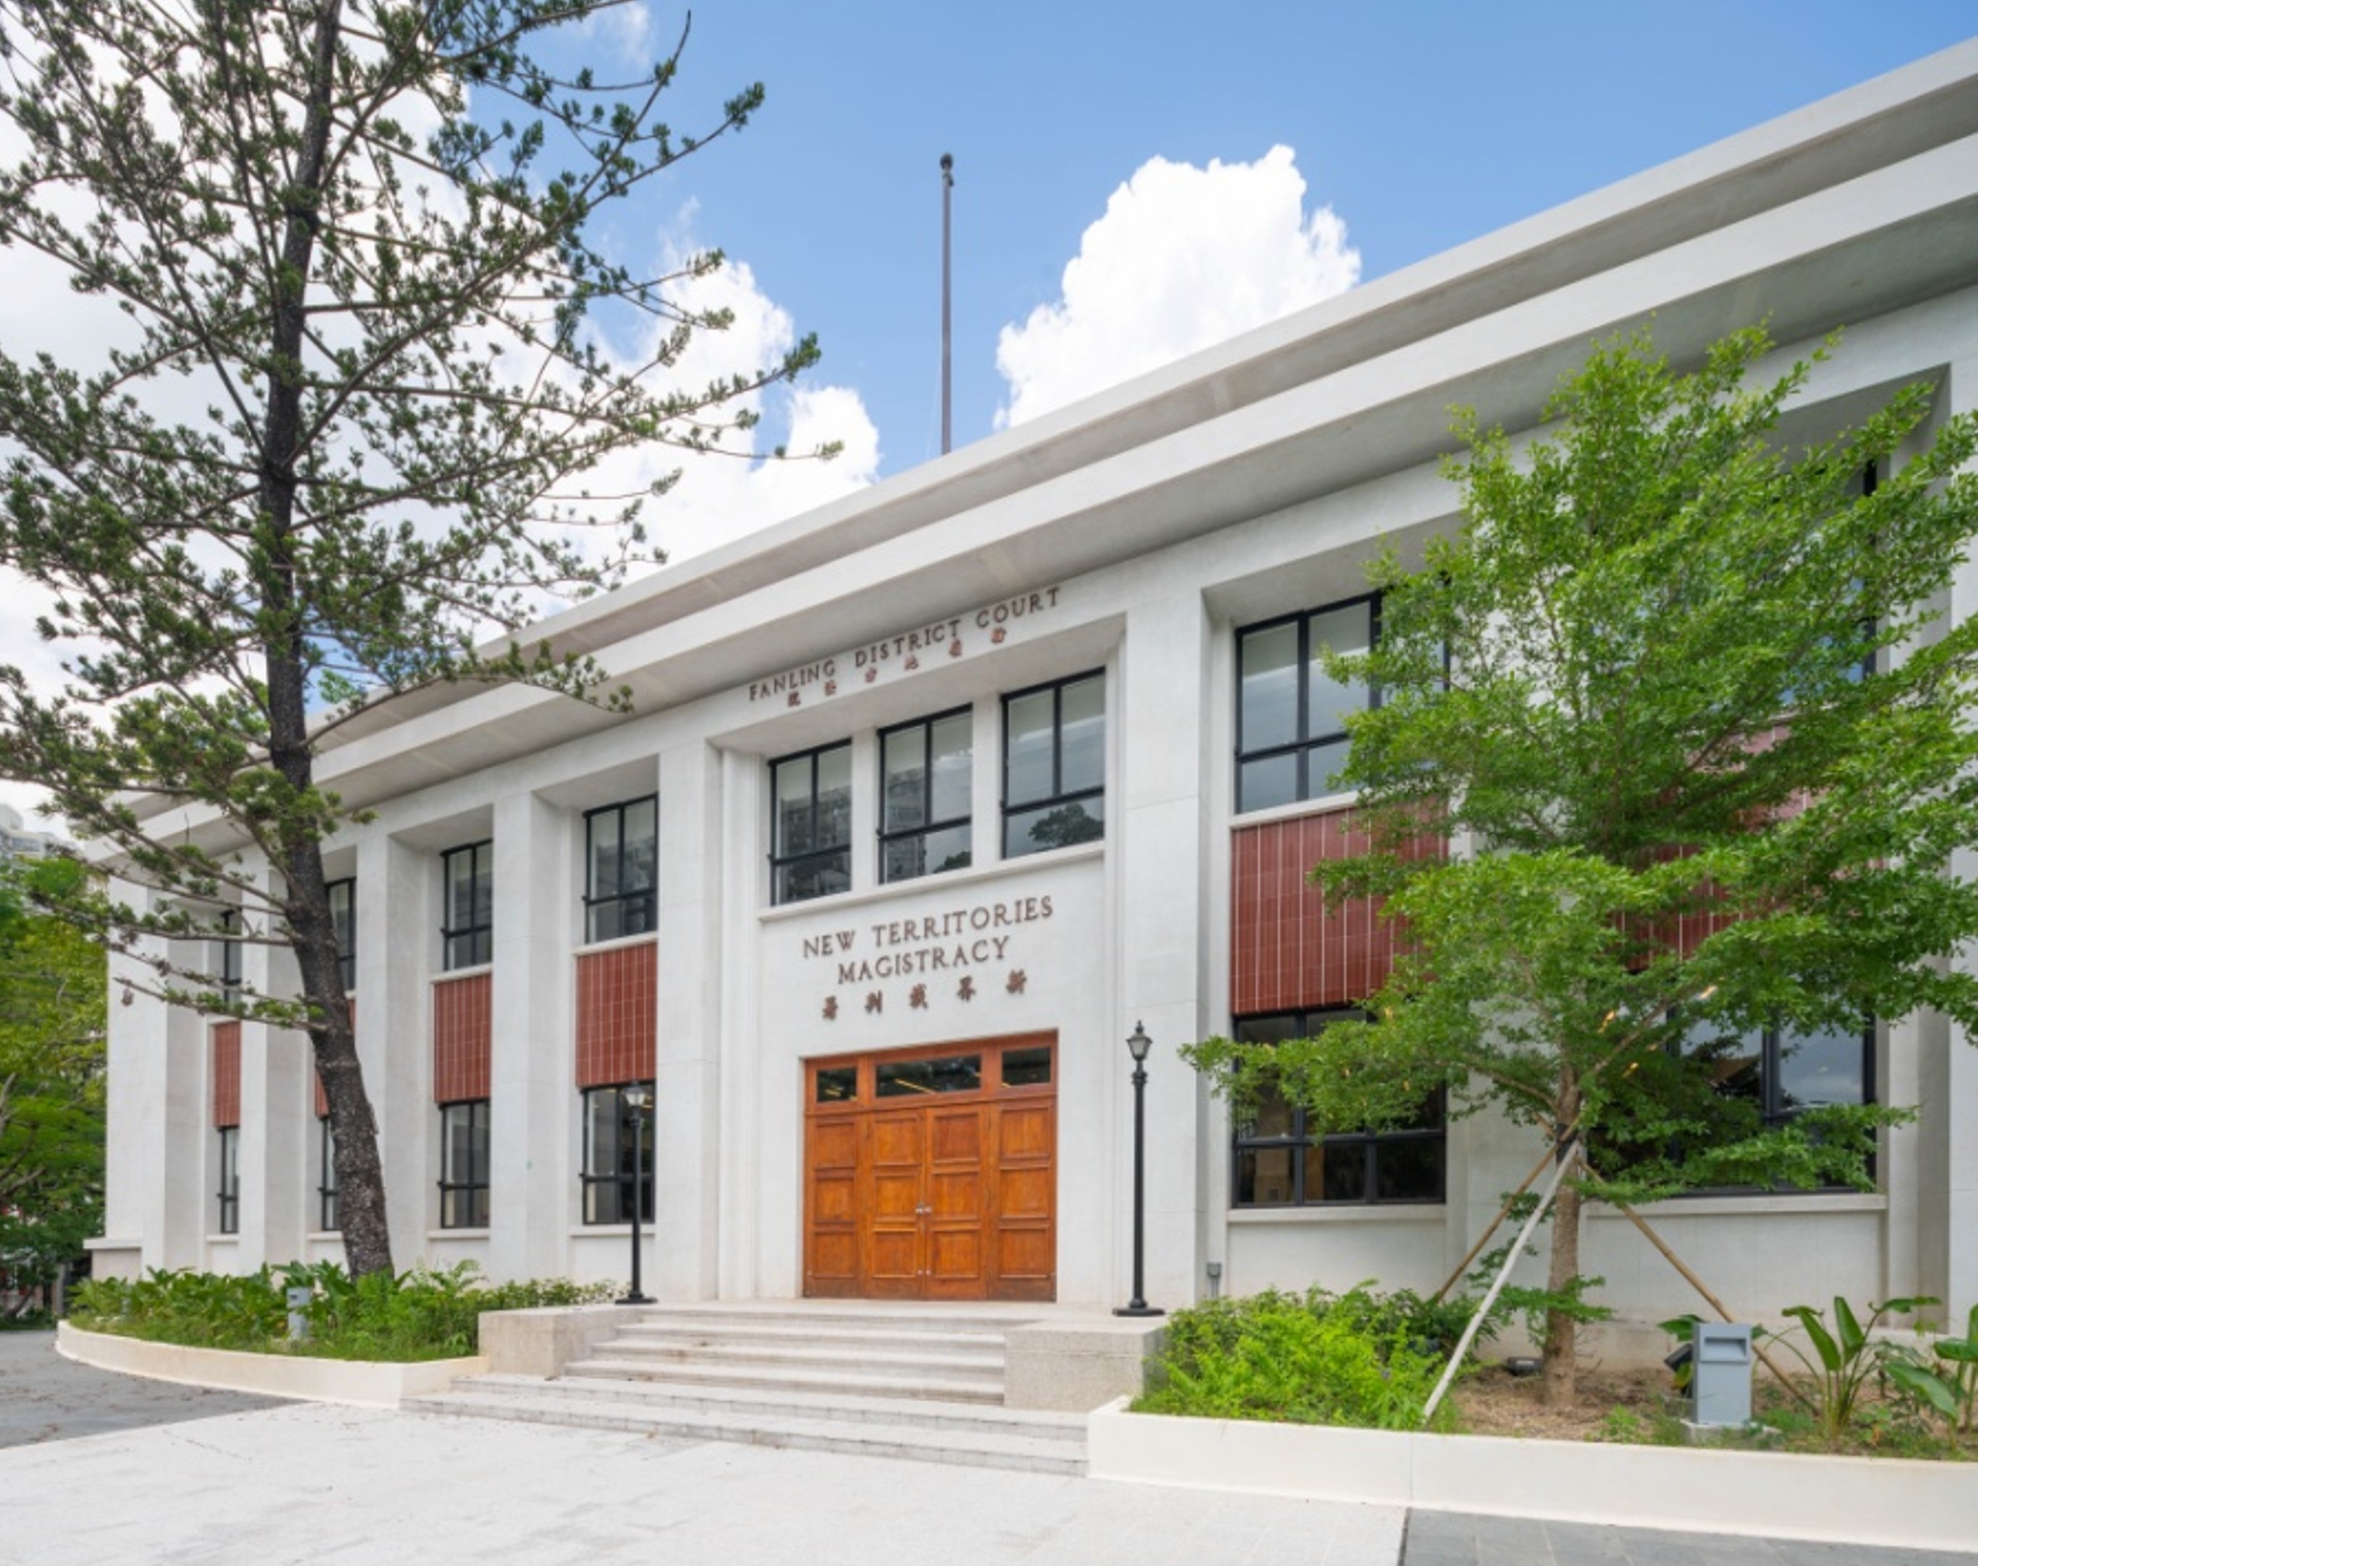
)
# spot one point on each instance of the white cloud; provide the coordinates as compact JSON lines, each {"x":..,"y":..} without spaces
{"x":1181,"y":258}
{"x":720,"y":499}
{"x":623,"y":30}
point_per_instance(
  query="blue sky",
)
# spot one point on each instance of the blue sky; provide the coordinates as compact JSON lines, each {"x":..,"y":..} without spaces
{"x":1418,"y":126}
{"x":1133,"y":183}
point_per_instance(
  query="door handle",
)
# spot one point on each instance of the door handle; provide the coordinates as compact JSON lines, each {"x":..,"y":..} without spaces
{"x":922,"y":1208}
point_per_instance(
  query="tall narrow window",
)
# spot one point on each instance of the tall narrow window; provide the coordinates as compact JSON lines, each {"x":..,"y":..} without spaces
{"x":328,"y":1191}
{"x":462,"y":1168}
{"x":1290,"y":712}
{"x":620,"y":1148}
{"x":227,"y":1181}
{"x":1054,"y":765}
{"x":621,"y":870}
{"x":228,"y":962}
{"x":469,"y":928}
{"x":810,"y":857}
{"x":342,"y":923}
{"x":927,"y":796}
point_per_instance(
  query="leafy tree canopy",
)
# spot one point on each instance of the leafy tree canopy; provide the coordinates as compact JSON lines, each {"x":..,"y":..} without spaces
{"x":1684,"y":702}
{"x":344,"y":444}
{"x":53,"y":1083}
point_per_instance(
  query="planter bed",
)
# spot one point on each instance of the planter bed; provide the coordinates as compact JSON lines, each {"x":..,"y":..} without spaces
{"x":1902,"y":1502}
{"x":385,"y":1383}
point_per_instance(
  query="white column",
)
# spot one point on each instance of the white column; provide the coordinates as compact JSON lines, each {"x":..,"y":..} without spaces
{"x":756,"y":1222}
{"x":147,"y":1063}
{"x":691,"y":823}
{"x":532,"y":1190}
{"x":396,"y":932}
{"x":1157,"y":839}
{"x":275,"y":1113}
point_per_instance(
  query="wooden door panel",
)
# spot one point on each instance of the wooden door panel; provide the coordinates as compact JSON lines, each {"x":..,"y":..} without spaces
{"x":1026,"y":1132}
{"x":832,"y":1145}
{"x":945,"y":1197}
{"x":1025,"y":1195}
{"x":955,"y":1135}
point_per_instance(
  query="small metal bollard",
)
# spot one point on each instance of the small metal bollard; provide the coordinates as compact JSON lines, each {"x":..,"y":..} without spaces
{"x":1722,"y":1379}
{"x":299,"y":1298}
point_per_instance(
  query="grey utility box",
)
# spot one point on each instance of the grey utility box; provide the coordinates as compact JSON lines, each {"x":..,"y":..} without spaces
{"x":1721,"y":1382}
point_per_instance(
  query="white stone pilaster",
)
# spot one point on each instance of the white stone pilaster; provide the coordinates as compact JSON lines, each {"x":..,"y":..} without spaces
{"x":533,"y":1108}
{"x":758,"y":1079}
{"x":1158,"y":835}
{"x":691,"y":856}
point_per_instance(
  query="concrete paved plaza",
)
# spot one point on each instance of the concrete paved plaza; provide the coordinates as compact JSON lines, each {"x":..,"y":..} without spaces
{"x":96,"y":1466}
{"x":44,"y":1396}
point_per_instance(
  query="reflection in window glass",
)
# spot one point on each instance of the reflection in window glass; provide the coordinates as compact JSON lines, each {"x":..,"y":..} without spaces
{"x":834,"y":1083}
{"x":926,"y":797}
{"x":1283,"y":1160}
{"x":1290,"y":713}
{"x":1823,"y":1069}
{"x":1023,"y":1069}
{"x":810,"y":849}
{"x":622,"y":853}
{"x":939,"y":1075}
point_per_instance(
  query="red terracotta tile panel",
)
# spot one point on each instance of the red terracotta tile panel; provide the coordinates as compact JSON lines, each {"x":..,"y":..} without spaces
{"x":617,"y":1015}
{"x":225,"y":1072}
{"x":1285,"y":949}
{"x":463,"y":1010}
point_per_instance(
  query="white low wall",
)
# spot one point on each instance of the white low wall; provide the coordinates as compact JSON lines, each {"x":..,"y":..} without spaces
{"x":382,"y":1383}
{"x":1899,"y":1503}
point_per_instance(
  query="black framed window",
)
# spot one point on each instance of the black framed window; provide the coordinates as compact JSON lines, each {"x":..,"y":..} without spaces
{"x":1054,"y":765}
{"x":469,"y":921}
{"x":622,"y":869}
{"x":1290,"y":712}
{"x":1777,"y":1073}
{"x":462,"y":1166}
{"x":342,"y":924}
{"x":611,"y":1156}
{"x":812,"y":817}
{"x":927,"y":796}
{"x":229,"y":957}
{"x":227,"y":1181}
{"x":328,"y":1191}
{"x":1283,"y":1160}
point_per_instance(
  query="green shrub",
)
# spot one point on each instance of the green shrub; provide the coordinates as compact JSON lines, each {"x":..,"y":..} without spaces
{"x":419,"y":1315}
{"x":1356,"y":1359}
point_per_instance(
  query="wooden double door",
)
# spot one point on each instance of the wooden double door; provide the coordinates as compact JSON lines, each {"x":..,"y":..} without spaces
{"x":931,"y":1172}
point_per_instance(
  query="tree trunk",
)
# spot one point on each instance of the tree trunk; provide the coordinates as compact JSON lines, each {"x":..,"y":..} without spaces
{"x":362,"y":1190}
{"x":1559,"y":1371}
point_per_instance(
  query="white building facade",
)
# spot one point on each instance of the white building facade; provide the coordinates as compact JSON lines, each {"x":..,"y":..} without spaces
{"x":928,"y":798}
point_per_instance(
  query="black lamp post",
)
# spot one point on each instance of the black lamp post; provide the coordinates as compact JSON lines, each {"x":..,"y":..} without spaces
{"x":1138,"y":1043}
{"x":637,"y":1100}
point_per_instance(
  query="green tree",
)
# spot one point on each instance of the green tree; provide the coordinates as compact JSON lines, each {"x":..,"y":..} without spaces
{"x":343,"y":455}
{"x":1695,"y":681}
{"x":52,"y":1074}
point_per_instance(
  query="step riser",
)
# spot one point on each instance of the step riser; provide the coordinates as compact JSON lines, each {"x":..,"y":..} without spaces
{"x":833,"y":1322}
{"x":795,"y":1383}
{"x":991,"y":1420}
{"x":911,"y":1363}
{"x":853,"y":1440}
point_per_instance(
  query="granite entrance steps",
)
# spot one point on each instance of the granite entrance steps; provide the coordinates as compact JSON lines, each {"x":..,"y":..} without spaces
{"x":896,"y":1379}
